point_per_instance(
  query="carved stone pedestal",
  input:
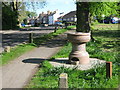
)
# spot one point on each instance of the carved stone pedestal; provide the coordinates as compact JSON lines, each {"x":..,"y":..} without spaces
{"x":78,"y":54}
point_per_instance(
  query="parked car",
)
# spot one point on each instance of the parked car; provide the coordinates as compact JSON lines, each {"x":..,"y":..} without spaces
{"x":58,"y":23}
{"x":22,"y":24}
{"x":114,"y":20}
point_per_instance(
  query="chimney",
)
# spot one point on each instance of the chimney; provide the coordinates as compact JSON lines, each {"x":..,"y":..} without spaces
{"x":54,"y":12}
{"x":48,"y":12}
{"x":42,"y":13}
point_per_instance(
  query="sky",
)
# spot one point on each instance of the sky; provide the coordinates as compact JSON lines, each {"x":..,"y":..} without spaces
{"x":59,"y":5}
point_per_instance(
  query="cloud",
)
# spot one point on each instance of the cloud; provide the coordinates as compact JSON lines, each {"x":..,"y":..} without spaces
{"x":66,"y":2}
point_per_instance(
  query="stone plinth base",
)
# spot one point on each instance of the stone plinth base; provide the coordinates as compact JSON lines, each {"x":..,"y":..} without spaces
{"x":60,"y":62}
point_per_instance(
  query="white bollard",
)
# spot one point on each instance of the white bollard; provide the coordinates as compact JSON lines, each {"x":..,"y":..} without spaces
{"x":7,"y":49}
{"x":63,"y":80}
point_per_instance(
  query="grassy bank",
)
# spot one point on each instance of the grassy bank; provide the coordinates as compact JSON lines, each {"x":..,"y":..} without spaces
{"x":105,"y":47}
{"x":21,"y":49}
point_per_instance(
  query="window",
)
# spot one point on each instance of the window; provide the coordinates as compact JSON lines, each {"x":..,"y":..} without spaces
{"x":72,"y":19}
{"x":64,"y":19}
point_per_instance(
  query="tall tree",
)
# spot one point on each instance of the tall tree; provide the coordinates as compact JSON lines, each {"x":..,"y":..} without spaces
{"x":14,"y":12}
{"x":87,"y":9}
{"x":83,"y":16}
{"x":9,"y":15}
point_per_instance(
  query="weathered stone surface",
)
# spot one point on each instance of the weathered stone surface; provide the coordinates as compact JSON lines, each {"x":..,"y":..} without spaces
{"x":7,"y":49}
{"x":64,"y":62}
{"x":63,"y":80}
{"x":79,"y":53}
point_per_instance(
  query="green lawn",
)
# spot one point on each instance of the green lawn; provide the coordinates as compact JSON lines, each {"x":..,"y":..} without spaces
{"x":105,"y":47}
{"x":106,"y":26}
{"x":71,"y":27}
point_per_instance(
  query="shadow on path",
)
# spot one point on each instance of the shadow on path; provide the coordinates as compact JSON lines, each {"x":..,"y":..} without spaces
{"x":40,"y":60}
{"x":33,"y":60}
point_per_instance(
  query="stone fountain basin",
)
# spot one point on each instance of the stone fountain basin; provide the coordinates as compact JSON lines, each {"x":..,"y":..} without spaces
{"x":78,"y":37}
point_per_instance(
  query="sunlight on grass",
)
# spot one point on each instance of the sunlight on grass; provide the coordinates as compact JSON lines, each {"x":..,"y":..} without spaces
{"x":106,"y":47}
{"x":48,"y":77}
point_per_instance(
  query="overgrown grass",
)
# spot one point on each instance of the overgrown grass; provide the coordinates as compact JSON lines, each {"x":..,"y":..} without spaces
{"x":15,"y":52}
{"x":105,"y":47}
{"x":48,"y":77}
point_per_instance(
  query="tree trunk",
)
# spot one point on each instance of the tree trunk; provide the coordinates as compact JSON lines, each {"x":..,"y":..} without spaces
{"x":83,"y":17}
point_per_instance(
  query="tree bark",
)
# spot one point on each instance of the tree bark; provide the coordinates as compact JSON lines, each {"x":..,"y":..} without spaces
{"x":83,"y":17}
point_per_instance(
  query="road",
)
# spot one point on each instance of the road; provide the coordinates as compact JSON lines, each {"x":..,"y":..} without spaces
{"x":13,"y":38}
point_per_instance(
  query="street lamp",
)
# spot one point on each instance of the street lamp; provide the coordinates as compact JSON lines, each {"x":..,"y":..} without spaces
{"x":103,"y":17}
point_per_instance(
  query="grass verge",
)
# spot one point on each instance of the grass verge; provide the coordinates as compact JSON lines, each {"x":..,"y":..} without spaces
{"x":15,"y":52}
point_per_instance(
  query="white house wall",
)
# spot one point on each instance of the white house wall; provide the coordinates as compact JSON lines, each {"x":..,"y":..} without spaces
{"x":50,"y":20}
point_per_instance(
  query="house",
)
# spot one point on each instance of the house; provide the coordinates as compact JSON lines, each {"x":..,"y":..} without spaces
{"x":60,"y":18}
{"x":31,"y":21}
{"x":48,"y":18}
{"x":69,"y":17}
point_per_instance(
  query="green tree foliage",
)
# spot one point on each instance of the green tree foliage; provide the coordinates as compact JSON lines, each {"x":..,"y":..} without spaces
{"x":31,"y":14}
{"x":9,"y":16}
{"x":15,"y":12}
{"x":106,"y":8}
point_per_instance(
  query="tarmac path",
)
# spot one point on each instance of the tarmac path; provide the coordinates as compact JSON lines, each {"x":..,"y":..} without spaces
{"x":18,"y":72}
{"x":13,"y":38}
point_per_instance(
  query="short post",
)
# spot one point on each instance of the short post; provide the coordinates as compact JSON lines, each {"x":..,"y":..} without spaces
{"x":108,"y":69}
{"x":63,"y":81}
{"x":55,"y":28}
{"x":7,"y":49}
{"x":30,"y":37}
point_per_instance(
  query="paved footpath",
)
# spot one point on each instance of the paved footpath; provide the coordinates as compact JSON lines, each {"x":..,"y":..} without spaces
{"x":18,"y":72}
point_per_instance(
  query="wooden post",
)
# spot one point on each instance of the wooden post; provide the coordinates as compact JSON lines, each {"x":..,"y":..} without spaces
{"x":63,"y":81}
{"x":7,"y":49}
{"x":108,"y":69}
{"x":30,"y":37}
{"x":56,"y":27}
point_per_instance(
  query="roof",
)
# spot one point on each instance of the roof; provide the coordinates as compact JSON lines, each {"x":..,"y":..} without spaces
{"x":60,"y":17}
{"x":46,"y":15}
{"x":70,"y":14}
